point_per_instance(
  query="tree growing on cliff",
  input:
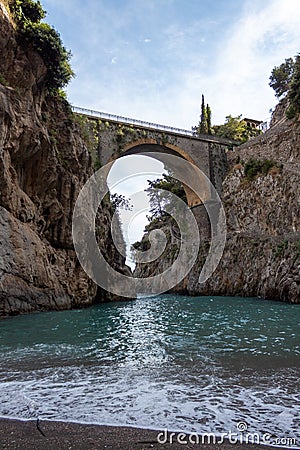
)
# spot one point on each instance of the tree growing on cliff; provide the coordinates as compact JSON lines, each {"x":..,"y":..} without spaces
{"x":204,"y":126}
{"x":234,"y":128}
{"x":45,"y":40}
{"x":208,"y":119}
{"x":294,"y":91}
{"x":203,"y":119}
{"x":285,"y":80}
{"x":160,"y":193}
{"x":281,"y":77}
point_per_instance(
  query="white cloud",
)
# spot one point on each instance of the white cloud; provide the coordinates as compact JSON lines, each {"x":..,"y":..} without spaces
{"x":163,"y":82}
{"x":119,"y":72}
{"x":262,"y":38}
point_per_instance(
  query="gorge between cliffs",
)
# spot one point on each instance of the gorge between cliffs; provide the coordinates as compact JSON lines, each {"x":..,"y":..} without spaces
{"x":47,"y":154}
{"x":87,"y":367}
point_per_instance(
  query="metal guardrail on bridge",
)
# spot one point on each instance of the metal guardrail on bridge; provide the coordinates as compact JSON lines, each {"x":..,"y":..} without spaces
{"x":129,"y":121}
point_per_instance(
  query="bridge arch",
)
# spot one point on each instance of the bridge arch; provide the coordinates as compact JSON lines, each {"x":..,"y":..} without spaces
{"x":149,"y":145}
{"x":118,"y":135}
{"x":166,"y":145}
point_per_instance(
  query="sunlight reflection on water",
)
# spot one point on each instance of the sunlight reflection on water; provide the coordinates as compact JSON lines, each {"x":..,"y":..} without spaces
{"x":172,"y":362}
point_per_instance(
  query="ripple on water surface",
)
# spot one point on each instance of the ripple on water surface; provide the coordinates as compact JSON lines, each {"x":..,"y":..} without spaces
{"x":192,"y":364}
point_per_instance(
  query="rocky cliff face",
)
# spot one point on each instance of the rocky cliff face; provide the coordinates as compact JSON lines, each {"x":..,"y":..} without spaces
{"x":160,"y":265}
{"x":44,"y":163}
{"x":262,"y":253}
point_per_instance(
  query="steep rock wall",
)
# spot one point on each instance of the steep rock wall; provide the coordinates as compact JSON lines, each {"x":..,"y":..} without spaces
{"x":44,"y":162}
{"x":262,"y":253}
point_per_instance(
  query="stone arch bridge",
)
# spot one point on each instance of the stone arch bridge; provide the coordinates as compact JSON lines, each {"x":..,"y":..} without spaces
{"x":119,"y":136}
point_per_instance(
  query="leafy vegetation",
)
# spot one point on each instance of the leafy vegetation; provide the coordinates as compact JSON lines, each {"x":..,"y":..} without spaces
{"x":294,"y":91}
{"x":28,"y":15}
{"x":3,"y":80}
{"x":281,"y":77}
{"x":236,"y":129}
{"x":203,"y":126}
{"x":255,"y":167}
{"x":280,"y":248}
{"x":160,"y":192}
{"x":142,"y":245}
{"x":119,"y":201}
{"x":170,"y":229}
{"x":27,"y":11}
{"x":208,"y":119}
{"x":285,"y":80}
{"x":89,"y":130}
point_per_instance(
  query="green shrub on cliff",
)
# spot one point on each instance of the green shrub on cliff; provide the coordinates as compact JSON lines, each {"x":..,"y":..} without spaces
{"x":45,"y":40}
{"x":280,"y":248}
{"x":27,"y":11}
{"x":255,"y":167}
{"x":3,"y":80}
{"x":235,"y":128}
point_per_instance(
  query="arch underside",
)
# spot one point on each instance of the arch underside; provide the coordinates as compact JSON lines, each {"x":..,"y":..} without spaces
{"x":146,"y":146}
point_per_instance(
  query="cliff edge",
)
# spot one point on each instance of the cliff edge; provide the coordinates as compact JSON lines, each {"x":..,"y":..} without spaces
{"x":261,"y":197}
{"x":44,"y":162}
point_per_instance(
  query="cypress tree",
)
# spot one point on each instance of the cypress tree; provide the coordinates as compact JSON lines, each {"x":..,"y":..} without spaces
{"x":208,"y":118}
{"x":203,"y":119}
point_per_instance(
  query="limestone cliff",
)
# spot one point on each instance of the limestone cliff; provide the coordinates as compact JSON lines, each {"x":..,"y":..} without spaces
{"x":262,"y":253}
{"x":44,"y":162}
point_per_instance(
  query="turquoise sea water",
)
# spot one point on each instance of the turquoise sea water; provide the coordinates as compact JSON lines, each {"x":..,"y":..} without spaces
{"x":193,"y":364}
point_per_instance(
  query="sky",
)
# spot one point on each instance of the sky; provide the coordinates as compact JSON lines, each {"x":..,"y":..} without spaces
{"x":129,"y":177}
{"x":153,"y":59}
